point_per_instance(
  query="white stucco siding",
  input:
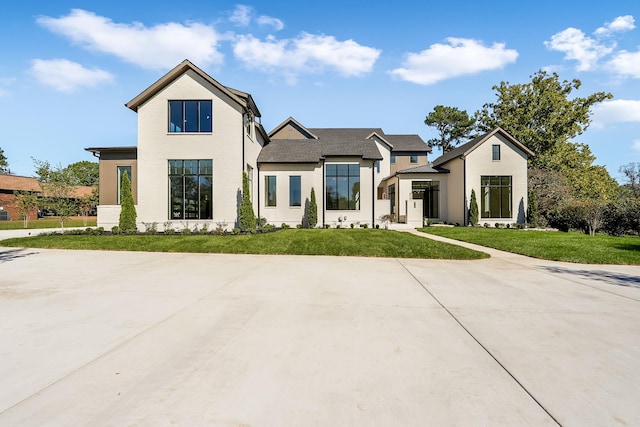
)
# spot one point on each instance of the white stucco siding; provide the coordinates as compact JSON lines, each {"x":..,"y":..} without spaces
{"x":455,"y":199}
{"x":284,"y":213}
{"x":385,"y":163}
{"x":513,"y":162}
{"x":156,"y":145}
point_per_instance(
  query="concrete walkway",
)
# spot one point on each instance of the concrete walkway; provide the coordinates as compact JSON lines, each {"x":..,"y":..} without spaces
{"x":121,"y":338}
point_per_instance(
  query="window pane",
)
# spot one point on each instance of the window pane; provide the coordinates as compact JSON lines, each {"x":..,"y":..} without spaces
{"x":332,"y":192}
{"x":331,"y":169}
{"x":175,"y":116}
{"x":191,"y":197}
{"x":270,"y":182}
{"x":175,"y":167}
{"x":121,"y":171}
{"x":176,"y":197}
{"x":343,"y":192}
{"x":343,"y":186}
{"x":206,"y":167}
{"x":206,"y":195}
{"x":354,"y":170}
{"x":190,"y":167}
{"x":205,"y":116}
{"x":354,"y":202}
{"x":505,"y":202}
{"x":343,"y":170}
{"x":484,"y":202}
{"x":496,"y":152}
{"x":413,"y":159}
{"x":191,"y":116}
{"x":294,"y":191}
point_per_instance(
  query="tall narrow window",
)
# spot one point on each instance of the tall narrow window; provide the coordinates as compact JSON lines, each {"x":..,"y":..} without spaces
{"x":250,"y":179}
{"x":495,"y":197}
{"x":495,"y":150}
{"x":393,"y":158}
{"x":121,"y":171}
{"x":190,"y":116}
{"x":343,"y":186}
{"x":294,"y":190}
{"x":190,"y":189}
{"x":378,"y":166}
{"x":270,"y":190}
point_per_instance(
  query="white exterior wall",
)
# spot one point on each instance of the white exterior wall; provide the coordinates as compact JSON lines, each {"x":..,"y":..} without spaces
{"x":513,"y":162}
{"x":455,"y":200}
{"x":385,"y":164}
{"x":310,"y":176}
{"x":156,"y":145}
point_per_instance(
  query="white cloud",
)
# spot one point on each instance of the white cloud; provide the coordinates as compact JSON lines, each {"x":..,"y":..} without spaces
{"x":304,"y":54}
{"x":457,"y":58}
{"x":243,"y":15}
{"x":577,"y":46}
{"x":616,"y":111}
{"x":587,"y":50}
{"x":159,"y":47}
{"x":66,"y":76}
{"x":621,"y":23}
{"x":626,"y":64}
{"x":636,"y":145}
{"x":268,"y":21}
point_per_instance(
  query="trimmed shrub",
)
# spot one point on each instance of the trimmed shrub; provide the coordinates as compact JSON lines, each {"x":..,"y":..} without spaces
{"x":473,"y":209}
{"x":532,"y":210}
{"x":312,"y":214}
{"x":128,"y":215}
{"x":247,"y":217}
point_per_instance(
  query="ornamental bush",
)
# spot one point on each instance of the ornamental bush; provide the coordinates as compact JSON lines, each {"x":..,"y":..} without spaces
{"x":312,"y":214}
{"x":247,"y":221}
{"x":473,"y":209}
{"x":128,"y":215}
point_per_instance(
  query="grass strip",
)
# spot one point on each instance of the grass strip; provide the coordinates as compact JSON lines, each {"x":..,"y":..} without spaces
{"x":349,"y":242}
{"x":550,"y":245}
{"x":46,"y":223}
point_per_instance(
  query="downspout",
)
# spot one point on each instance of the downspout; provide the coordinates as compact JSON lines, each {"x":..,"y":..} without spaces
{"x":464,"y":188}
{"x":258,"y":196}
{"x":243,"y":135}
{"x":324,"y":194}
{"x":373,"y":194}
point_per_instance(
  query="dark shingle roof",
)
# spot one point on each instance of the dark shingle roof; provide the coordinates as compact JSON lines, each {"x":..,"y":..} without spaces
{"x":407,"y":143}
{"x":314,"y":150}
{"x":423,"y":169}
{"x":467,"y":148}
{"x":347,"y":133}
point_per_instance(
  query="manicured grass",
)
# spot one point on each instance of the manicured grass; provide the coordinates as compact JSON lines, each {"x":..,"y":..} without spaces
{"x":356,"y":242}
{"x":551,"y":245}
{"x":49,"y":222}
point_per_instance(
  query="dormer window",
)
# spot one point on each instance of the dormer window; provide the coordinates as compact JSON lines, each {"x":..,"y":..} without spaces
{"x":248,"y":123}
{"x":190,"y":116}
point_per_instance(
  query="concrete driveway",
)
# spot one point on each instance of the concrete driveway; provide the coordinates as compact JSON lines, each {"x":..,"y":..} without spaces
{"x":148,"y":339}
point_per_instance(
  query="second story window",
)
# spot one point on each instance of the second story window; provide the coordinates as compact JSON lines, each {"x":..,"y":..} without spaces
{"x":190,"y":116}
{"x":495,"y":152}
{"x":413,"y":158}
{"x":393,"y":159}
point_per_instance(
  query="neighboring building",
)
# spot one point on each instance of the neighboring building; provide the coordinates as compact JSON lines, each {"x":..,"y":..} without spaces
{"x":196,"y":137}
{"x":9,"y":209}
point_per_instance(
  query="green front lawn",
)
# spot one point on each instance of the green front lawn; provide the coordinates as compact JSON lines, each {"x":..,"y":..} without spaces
{"x":551,"y":245}
{"x":49,"y":222}
{"x":349,"y":242}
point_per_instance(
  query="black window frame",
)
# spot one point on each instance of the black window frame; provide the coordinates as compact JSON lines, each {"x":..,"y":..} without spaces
{"x":295,"y":200}
{"x":270,"y":200}
{"x":496,"y":196}
{"x":429,"y":193}
{"x":495,"y":152}
{"x":338,"y":178}
{"x":180,"y":110}
{"x":119,"y":174}
{"x":194,"y":172}
{"x":413,"y":158}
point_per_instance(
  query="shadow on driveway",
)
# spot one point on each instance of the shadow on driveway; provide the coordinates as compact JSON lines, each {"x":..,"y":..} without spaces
{"x":612,"y":278}
{"x":12,"y":254}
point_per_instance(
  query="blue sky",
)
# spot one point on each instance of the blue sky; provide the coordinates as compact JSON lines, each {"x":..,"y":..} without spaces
{"x":68,"y":68}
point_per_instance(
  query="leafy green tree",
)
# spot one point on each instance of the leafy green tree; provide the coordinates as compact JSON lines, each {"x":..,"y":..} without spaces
{"x":473,"y":209}
{"x":27,"y":205}
{"x":83,"y":173}
{"x":540,"y":114}
{"x":87,"y":204}
{"x":4,"y":163}
{"x":631,"y":172}
{"x":128,"y":215}
{"x":532,"y":209}
{"x":312,"y":214}
{"x":247,"y":217}
{"x":452,"y":124}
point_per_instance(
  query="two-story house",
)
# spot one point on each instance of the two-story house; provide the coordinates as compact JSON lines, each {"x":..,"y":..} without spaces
{"x":196,"y":137}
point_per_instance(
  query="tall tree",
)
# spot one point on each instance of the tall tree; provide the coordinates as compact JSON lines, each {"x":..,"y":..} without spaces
{"x":473,"y":209}
{"x":453,"y":126}
{"x":247,"y":222}
{"x":59,"y":195}
{"x":27,"y":205}
{"x":83,"y":173}
{"x":540,"y":114}
{"x":631,"y":173}
{"x":312,"y":214}
{"x":4,"y":163}
{"x":128,"y":215}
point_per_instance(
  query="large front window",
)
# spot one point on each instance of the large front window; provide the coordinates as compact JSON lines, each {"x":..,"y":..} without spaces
{"x":190,"y":116}
{"x":190,"y":189}
{"x":429,"y":193}
{"x":343,"y":186}
{"x":495,"y":197}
